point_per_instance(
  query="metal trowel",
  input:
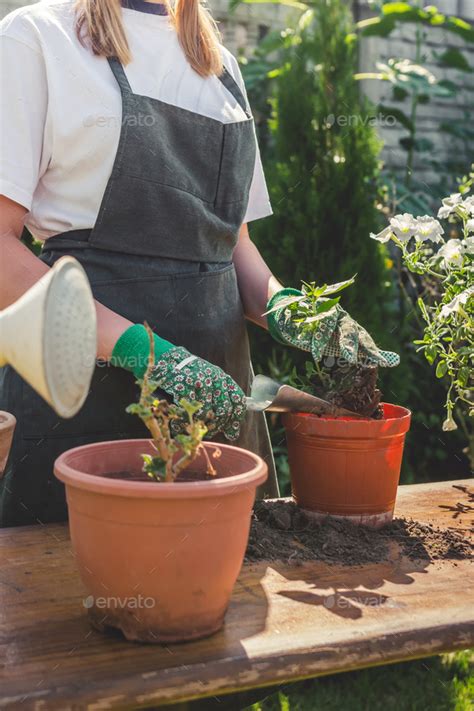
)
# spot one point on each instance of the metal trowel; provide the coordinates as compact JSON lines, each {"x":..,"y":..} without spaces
{"x":268,"y":394}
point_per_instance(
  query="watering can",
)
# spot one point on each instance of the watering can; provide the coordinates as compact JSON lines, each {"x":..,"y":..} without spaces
{"x":49,"y":336}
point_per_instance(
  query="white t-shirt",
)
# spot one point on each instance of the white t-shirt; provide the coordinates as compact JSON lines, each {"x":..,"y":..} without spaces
{"x":61,"y":111}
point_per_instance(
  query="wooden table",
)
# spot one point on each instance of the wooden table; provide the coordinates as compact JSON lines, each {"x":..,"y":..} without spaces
{"x":284,"y":623}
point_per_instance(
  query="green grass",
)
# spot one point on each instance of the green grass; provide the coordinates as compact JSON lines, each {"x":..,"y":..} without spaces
{"x":444,"y":683}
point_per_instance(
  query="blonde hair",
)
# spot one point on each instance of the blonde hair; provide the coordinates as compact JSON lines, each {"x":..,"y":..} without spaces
{"x":99,"y":25}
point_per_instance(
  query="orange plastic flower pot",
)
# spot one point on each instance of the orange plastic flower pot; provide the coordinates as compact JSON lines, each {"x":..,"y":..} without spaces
{"x":347,"y":468}
{"x":158,"y":560}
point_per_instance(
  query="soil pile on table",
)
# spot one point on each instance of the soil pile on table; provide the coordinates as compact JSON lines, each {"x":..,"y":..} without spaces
{"x":282,"y":531}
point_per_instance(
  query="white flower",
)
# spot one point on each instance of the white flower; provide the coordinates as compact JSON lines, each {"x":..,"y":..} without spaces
{"x":469,"y":245}
{"x":449,"y":424}
{"x":448,"y":205}
{"x":383,"y":236}
{"x":403,"y":226}
{"x":468,"y":205}
{"x":428,"y":228}
{"x":470,"y":226}
{"x":451,"y":254}
{"x":456,"y":305}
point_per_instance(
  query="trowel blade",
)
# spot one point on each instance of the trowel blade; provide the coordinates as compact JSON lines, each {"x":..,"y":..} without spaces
{"x":268,"y":394}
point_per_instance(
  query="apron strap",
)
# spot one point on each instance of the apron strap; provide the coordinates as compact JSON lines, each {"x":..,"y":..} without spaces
{"x":226,"y":78}
{"x":231,"y":85}
{"x":119,"y":74}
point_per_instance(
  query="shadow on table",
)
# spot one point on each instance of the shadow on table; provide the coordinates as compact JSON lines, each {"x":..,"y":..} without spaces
{"x":461,"y":507}
{"x":345,"y":591}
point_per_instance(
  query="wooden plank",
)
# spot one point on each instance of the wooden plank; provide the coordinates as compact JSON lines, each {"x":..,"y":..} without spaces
{"x":284,"y":623}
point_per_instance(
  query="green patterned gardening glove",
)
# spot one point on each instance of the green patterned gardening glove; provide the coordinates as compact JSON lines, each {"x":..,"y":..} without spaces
{"x":335,"y":334}
{"x":350,"y":341}
{"x":183,"y":375}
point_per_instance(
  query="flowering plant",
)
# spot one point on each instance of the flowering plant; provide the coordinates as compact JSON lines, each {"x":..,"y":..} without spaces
{"x":448,"y":339}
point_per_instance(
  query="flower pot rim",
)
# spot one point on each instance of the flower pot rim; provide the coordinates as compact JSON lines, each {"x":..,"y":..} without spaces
{"x":404,"y":413}
{"x":66,"y":472}
{"x":346,"y":428}
{"x":7,"y":420}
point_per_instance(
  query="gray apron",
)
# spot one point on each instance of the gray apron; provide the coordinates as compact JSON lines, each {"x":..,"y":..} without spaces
{"x":160,"y":251}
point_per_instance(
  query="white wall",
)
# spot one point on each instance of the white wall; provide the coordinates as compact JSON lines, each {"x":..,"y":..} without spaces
{"x":401,"y":43}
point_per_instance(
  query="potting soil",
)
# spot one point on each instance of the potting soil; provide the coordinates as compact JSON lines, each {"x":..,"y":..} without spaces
{"x":282,"y":531}
{"x":354,"y":387}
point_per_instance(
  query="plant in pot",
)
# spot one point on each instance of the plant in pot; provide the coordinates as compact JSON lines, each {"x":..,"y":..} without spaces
{"x":444,"y":294}
{"x":346,"y":467}
{"x":159,"y":527}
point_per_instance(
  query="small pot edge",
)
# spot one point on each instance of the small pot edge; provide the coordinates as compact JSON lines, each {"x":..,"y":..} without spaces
{"x":163,"y":490}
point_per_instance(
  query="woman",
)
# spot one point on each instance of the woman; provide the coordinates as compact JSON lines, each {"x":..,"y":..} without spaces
{"x":128,"y":143}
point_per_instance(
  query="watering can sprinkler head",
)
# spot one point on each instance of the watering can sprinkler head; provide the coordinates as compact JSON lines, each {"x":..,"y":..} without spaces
{"x":49,"y":336}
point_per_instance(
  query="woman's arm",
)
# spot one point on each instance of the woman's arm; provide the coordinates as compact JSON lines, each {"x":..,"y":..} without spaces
{"x":20,"y":269}
{"x":256,"y":282}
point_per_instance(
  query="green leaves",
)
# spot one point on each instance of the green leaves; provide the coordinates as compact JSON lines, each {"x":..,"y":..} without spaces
{"x":409,"y":76}
{"x":430,"y":353}
{"x":423,"y":309}
{"x":190,"y":408}
{"x":289,"y":3}
{"x":285,"y":302}
{"x":322,"y":309}
{"x":420,"y":145}
{"x":315,"y":303}
{"x":376,"y":26}
{"x":461,"y":28}
{"x":464,"y":374}
{"x":398,"y":114}
{"x":454,"y":59}
{"x":155,"y":467}
{"x":402,"y":11}
{"x":314,"y":292}
{"x":459,"y":129}
{"x":392,"y":13}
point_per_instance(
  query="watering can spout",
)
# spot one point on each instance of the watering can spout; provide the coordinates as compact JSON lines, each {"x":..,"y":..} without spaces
{"x":49,"y":336}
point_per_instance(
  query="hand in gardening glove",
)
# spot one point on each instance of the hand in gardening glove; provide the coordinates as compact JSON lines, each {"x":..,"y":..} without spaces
{"x":335,"y":333}
{"x":183,"y":375}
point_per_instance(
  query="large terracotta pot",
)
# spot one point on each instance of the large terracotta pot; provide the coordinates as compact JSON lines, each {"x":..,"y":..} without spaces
{"x":7,"y":428}
{"x":347,"y":468}
{"x":159,"y":560}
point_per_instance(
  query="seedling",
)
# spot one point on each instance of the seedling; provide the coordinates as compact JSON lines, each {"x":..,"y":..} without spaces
{"x":173,"y":453}
{"x":333,"y":378}
{"x":315,"y":303}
